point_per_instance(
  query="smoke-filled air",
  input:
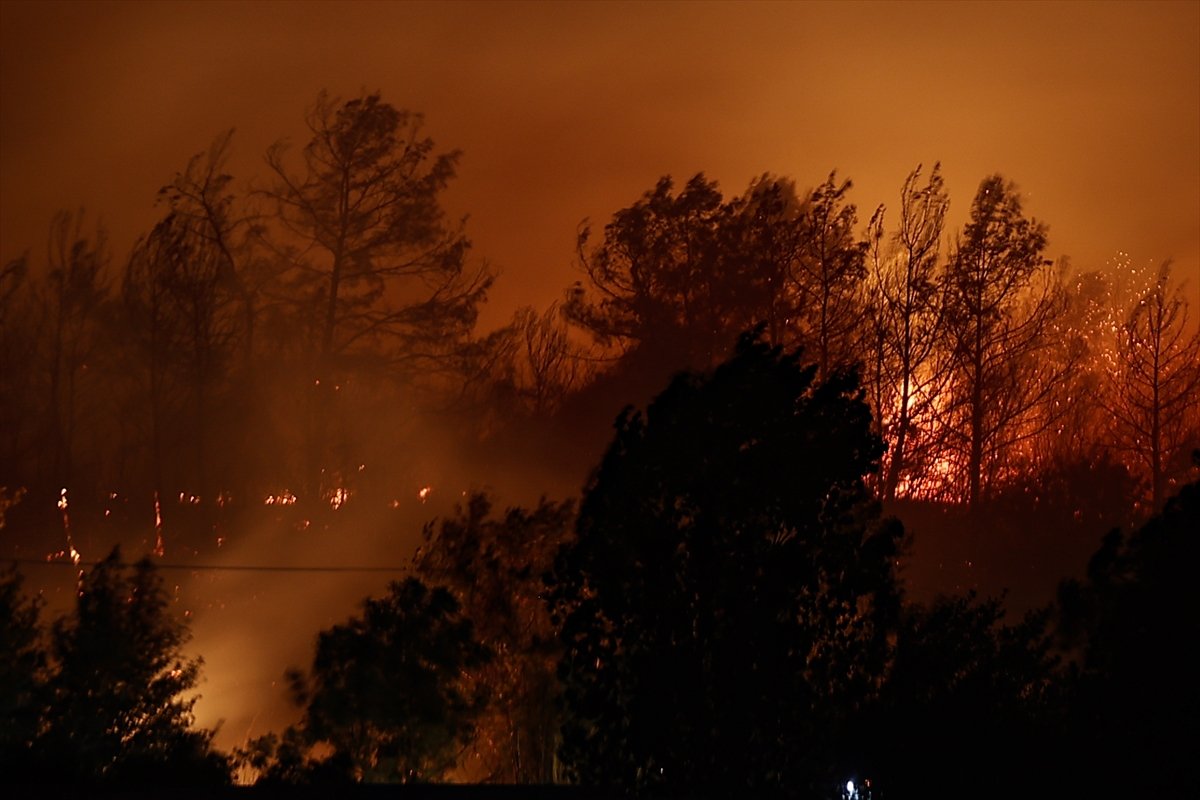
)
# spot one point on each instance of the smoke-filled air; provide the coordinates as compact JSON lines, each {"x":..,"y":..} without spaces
{"x":697,"y":400}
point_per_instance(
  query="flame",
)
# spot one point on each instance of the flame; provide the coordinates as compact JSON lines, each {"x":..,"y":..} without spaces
{"x":338,"y":497}
{"x":424,"y":492}
{"x":159,"y":546}
{"x":284,"y":498}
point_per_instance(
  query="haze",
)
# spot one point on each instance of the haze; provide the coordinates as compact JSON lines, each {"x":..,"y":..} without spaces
{"x":572,"y":110}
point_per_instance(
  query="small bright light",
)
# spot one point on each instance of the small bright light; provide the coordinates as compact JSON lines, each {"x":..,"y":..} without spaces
{"x":850,"y":788}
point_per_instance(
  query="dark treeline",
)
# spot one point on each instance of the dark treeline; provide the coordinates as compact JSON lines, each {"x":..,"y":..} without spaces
{"x":722,"y":609}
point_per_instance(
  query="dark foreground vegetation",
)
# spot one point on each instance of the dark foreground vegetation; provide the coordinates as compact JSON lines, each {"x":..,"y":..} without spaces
{"x":722,"y":613}
{"x":724,"y":618}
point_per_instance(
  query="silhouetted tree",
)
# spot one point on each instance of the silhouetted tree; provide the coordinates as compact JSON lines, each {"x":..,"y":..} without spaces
{"x":1001,"y":298}
{"x":547,"y":364}
{"x":830,"y":269}
{"x":682,"y":274}
{"x":364,"y":210}
{"x":726,"y":602}
{"x":385,"y":691}
{"x":761,"y":241}
{"x":202,"y":201}
{"x":22,"y":674}
{"x":656,"y":277}
{"x":115,"y":712}
{"x":495,"y":568}
{"x":906,"y":310}
{"x":1130,"y":623}
{"x":985,"y":696}
{"x":21,"y":403}
{"x":72,"y":297}
{"x":145,"y":293}
{"x":378,"y":274}
{"x":186,"y":329}
{"x":1155,"y":389}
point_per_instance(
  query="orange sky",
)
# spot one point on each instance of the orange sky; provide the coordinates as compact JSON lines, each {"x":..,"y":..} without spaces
{"x":569,"y":110}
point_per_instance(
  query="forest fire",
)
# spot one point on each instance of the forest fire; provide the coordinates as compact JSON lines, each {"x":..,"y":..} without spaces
{"x":829,"y":455}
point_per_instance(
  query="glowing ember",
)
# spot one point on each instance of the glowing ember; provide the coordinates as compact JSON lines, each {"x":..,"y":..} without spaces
{"x":338,"y":498}
{"x":159,"y":545}
{"x":424,"y":493}
{"x":63,"y":504}
{"x":284,"y":498}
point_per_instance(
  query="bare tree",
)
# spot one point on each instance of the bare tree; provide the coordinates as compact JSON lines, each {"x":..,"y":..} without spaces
{"x":830,"y":270}
{"x":72,"y":296}
{"x":202,"y":201}
{"x":548,"y":363}
{"x":906,"y":310}
{"x":20,"y":399}
{"x":186,"y":327}
{"x":1155,"y":391}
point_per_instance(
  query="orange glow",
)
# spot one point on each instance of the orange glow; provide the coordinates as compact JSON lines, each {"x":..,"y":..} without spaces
{"x":338,"y":497}
{"x":159,"y":544}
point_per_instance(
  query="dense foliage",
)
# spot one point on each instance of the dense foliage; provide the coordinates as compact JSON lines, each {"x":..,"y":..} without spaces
{"x":108,"y":701}
{"x":726,"y":602}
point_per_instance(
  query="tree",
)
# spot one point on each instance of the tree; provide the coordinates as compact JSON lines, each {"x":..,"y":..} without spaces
{"x":1129,"y":624}
{"x":547,"y":365}
{"x":495,"y":568}
{"x":21,"y":402}
{"x":385,"y":693}
{"x":182,"y":320}
{"x":831,"y":267}
{"x":985,"y":691}
{"x":1155,"y":388}
{"x":1001,"y":299}
{"x":656,"y":277}
{"x":201,"y":200}
{"x":906,"y":311}
{"x":761,"y":240}
{"x":116,"y":713}
{"x":72,"y":297}
{"x":378,"y":274}
{"x":22,"y":672}
{"x":726,"y":601}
